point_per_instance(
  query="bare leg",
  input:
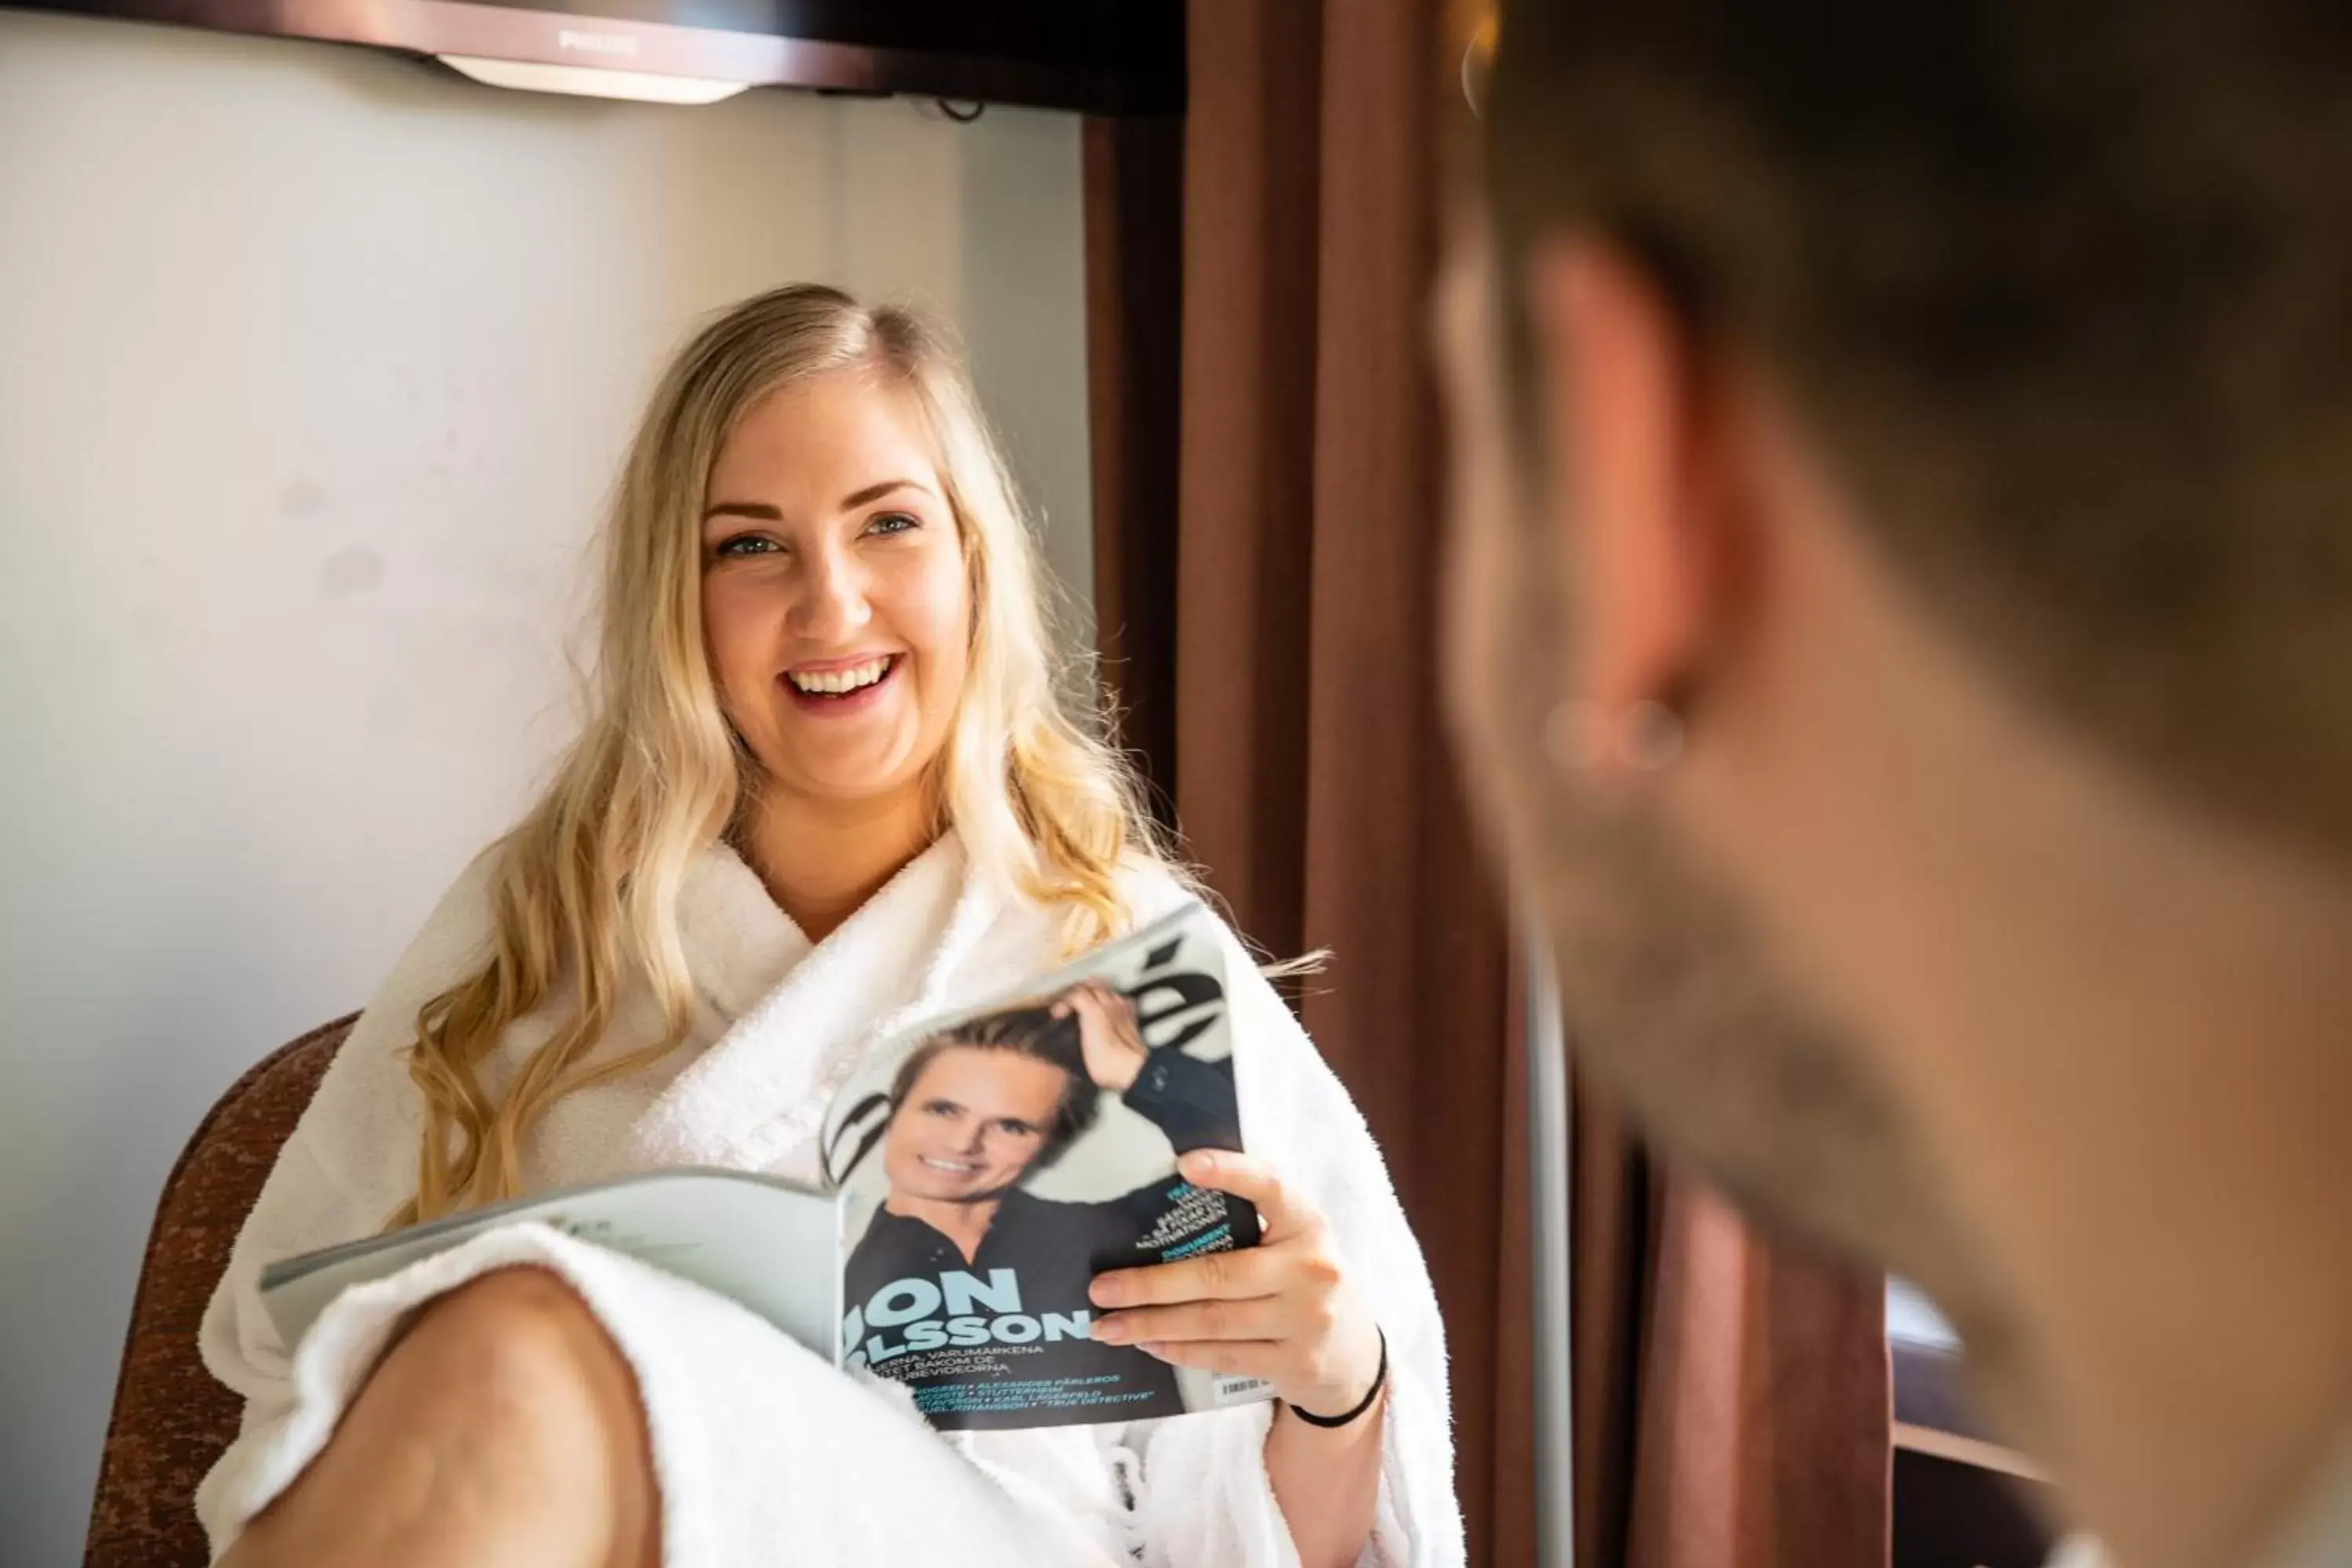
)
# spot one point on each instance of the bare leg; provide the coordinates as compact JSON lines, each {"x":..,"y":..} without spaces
{"x":503,"y":1427}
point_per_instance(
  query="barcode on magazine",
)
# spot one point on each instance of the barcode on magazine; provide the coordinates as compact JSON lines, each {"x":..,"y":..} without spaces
{"x":1240,"y":1387}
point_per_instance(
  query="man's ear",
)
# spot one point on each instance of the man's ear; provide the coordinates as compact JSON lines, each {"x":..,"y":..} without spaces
{"x":1634,"y":473}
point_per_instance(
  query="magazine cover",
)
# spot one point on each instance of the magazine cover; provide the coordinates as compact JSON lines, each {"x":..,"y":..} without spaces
{"x":989,"y":1165}
{"x":979,"y":1170}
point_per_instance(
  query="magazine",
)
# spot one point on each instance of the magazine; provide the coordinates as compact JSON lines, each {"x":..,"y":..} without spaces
{"x":980,"y":1170}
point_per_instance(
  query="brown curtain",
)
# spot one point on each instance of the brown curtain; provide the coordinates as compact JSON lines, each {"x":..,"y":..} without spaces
{"x":1266,"y":492}
{"x":1732,"y":1405}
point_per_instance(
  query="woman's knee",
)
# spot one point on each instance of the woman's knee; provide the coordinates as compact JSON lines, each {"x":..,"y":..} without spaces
{"x":523,"y":1308}
{"x":502,"y":1417}
{"x":517,"y":1342}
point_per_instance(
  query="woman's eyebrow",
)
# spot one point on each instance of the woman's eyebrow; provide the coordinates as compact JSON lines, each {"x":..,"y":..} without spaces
{"x":875,"y":492}
{"x":758,"y":511}
{"x":763,"y":512}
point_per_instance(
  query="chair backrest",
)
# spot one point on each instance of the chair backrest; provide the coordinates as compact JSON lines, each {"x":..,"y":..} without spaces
{"x":171,"y":1420}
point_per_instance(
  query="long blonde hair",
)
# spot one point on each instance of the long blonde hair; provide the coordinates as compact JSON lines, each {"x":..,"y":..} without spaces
{"x":584,"y":892}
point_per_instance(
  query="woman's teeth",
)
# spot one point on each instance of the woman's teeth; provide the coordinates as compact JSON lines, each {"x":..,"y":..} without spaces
{"x":839,"y":682}
{"x":948,"y":1167}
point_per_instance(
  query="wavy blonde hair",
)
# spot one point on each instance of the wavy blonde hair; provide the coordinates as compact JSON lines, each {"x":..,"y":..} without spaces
{"x":584,"y":892}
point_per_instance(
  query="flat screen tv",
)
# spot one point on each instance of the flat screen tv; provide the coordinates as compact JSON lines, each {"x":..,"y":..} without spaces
{"x":1097,"y":56}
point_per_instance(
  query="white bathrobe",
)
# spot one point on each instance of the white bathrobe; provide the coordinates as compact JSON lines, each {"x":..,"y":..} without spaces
{"x":764,"y":1453}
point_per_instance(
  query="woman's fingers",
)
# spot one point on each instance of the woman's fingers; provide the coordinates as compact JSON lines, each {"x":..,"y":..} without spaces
{"x":1283,"y":1213}
{"x":1213,"y":1276}
{"x":1234,"y":1358}
{"x":1281,"y":1311}
{"x":1267,"y":1317}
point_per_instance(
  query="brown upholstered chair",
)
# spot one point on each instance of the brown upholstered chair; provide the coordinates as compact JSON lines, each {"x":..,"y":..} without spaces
{"x":171,"y":1420}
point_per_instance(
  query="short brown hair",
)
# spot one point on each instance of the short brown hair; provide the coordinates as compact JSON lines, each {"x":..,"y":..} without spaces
{"x":2064,"y":289}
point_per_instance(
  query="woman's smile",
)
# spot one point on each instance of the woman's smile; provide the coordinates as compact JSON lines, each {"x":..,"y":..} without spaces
{"x":836,"y":605}
{"x":835,"y":689}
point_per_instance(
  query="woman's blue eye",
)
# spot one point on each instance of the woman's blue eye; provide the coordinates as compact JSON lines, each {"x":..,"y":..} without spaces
{"x":746,"y":544}
{"x":894,"y":522}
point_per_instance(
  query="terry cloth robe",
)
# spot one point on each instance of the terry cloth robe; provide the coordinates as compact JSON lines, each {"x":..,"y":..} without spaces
{"x":765,"y":1454}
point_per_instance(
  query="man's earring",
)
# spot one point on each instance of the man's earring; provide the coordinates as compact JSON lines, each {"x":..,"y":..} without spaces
{"x":1651,"y":739}
{"x":1646,"y":738}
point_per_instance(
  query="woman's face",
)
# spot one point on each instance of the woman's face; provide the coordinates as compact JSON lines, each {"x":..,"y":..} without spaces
{"x":835,"y":604}
{"x":971,"y":1124}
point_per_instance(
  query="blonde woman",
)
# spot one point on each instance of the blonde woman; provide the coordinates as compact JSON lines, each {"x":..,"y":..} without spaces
{"x":826,"y":787}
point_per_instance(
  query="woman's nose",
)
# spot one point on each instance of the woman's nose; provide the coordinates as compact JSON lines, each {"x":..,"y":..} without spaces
{"x":831,"y":607}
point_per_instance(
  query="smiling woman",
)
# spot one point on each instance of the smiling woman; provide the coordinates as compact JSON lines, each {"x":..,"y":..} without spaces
{"x":826,"y":781}
{"x":836,"y":606}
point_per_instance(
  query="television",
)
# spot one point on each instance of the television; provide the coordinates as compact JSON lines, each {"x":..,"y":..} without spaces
{"x":1095,"y":56}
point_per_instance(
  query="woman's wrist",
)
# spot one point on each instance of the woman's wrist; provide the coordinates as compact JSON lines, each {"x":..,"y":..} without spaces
{"x":1345,"y":1406}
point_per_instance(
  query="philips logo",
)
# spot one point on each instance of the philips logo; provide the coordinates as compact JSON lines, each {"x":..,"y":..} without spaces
{"x":595,"y":43}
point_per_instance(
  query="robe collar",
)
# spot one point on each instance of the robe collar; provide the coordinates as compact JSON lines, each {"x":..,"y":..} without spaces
{"x":800,"y":1014}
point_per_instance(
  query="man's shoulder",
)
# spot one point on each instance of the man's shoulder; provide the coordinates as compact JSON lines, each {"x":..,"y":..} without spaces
{"x":1036,"y":1206}
{"x":1022,"y":1201}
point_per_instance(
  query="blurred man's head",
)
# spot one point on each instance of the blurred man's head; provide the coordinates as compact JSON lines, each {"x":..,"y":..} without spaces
{"x":1902,"y":623}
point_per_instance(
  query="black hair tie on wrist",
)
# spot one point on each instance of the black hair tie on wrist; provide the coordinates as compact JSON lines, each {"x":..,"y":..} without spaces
{"x":1379,"y":1381}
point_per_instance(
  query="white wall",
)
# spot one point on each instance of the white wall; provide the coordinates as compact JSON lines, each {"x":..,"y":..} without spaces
{"x":314,"y":368}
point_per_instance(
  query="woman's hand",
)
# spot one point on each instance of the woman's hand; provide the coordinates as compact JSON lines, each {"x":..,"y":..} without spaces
{"x":1283,"y":1311}
{"x":1108,"y":1032}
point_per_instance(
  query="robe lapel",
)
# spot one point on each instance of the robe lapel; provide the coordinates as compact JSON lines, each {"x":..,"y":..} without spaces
{"x":739,"y":943}
{"x":754,"y":1099}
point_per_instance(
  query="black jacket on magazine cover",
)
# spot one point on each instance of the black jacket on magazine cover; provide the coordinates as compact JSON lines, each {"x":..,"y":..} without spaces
{"x":1053,"y":1249}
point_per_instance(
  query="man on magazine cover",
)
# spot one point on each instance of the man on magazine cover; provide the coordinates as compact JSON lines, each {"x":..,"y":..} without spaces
{"x":979,"y":1108}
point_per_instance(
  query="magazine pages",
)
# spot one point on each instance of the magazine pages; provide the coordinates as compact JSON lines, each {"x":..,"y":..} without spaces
{"x":981,"y":1169}
{"x":990,"y":1164}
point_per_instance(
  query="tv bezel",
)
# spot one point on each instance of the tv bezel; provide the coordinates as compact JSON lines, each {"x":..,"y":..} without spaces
{"x":437,"y":27}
